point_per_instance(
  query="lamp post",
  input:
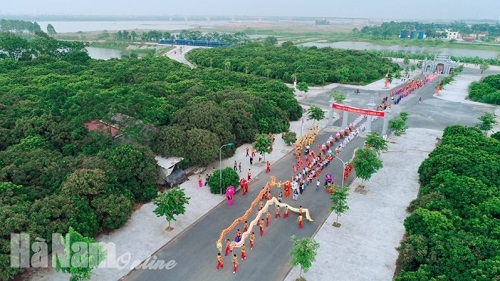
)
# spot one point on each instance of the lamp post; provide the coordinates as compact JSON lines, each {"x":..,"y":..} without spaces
{"x":343,"y":169}
{"x":220,"y":164}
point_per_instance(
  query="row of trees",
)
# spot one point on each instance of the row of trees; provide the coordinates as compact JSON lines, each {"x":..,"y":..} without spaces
{"x":19,"y":26}
{"x":155,"y":36}
{"x":21,"y":49}
{"x":487,"y":90}
{"x":311,"y":65}
{"x":423,"y":56}
{"x":452,"y":231}
{"x":392,"y":29}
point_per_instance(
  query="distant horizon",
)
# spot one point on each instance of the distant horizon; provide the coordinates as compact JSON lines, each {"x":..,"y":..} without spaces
{"x":364,"y":9}
{"x":256,"y":17}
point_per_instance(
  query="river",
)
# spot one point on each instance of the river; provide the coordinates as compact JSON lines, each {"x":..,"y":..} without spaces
{"x":412,"y":49}
{"x":85,"y":26}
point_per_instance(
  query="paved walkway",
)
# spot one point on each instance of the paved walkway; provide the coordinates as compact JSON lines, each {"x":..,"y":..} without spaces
{"x":178,"y":52}
{"x":364,"y":247}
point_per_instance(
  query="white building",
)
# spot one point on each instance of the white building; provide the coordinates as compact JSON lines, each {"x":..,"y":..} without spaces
{"x":452,"y":34}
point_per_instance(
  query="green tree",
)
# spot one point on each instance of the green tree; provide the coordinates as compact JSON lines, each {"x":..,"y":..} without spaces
{"x":404,"y":115}
{"x":262,"y":144}
{"x":376,"y":142}
{"x":229,"y":178}
{"x":270,"y":41}
{"x":397,"y":125}
{"x":136,"y":166}
{"x":290,"y":137}
{"x":170,"y":141}
{"x":113,"y":210}
{"x":51,"y":30}
{"x":315,"y":113}
{"x":170,"y":204}
{"x":406,"y":61}
{"x":483,"y":67}
{"x":202,"y":147}
{"x":366,"y":163}
{"x":339,"y":202}
{"x":303,"y":253}
{"x":83,"y":254}
{"x":303,"y":87}
{"x":488,"y":120}
{"x":337,"y":96}
{"x":85,"y":183}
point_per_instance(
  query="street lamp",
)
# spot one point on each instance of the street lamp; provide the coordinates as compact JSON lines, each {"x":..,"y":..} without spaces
{"x":220,"y":164}
{"x":343,"y":168}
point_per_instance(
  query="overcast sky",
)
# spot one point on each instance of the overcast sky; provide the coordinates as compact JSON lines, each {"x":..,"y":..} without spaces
{"x":400,"y":9}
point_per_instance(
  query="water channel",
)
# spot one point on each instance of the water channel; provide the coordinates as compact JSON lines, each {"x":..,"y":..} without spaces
{"x":485,"y":54}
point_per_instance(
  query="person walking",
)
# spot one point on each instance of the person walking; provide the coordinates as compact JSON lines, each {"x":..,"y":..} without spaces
{"x":261,"y":205}
{"x":200,"y":181}
{"x":235,"y":166}
{"x":235,"y":263}
{"x":228,"y":246}
{"x":420,"y":100}
{"x":239,"y":166}
{"x":252,"y":239}
{"x":268,"y":167}
{"x":249,"y":174}
{"x":247,"y":150}
{"x":317,"y":184}
{"x":243,"y":252}
{"x":220,"y":262}
{"x":251,"y":160}
{"x":295,"y":194}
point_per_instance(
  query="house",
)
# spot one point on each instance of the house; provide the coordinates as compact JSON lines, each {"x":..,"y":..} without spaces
{"x":168,"y":172}
{"x":102,"y":127}
{"x":452,"y":34}
{"x":119,"y":123}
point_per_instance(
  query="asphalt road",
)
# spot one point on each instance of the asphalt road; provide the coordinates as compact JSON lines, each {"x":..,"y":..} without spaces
{"x":195,"y":252}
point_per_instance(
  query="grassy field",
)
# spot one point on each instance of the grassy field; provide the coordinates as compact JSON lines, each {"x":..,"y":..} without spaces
{"x":298,"y":33}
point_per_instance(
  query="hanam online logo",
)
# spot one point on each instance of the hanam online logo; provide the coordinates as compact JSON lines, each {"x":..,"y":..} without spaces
{"x":24,"y":254}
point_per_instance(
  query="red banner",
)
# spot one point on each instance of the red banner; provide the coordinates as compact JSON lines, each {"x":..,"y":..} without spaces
{"x":358,"y":110}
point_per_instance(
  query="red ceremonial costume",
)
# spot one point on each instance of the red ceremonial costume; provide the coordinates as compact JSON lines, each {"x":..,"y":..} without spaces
{"x":220,"y":263}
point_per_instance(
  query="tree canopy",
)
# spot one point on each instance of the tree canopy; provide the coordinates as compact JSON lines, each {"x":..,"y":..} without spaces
{"x":171,"y":203}
{"x":55,"y":170}
{"x":453,"y":227}
{"x":303,"y":252}
{"x":487,"y":90}
{"x":366,"y":163}
{"x":314,"y":66}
